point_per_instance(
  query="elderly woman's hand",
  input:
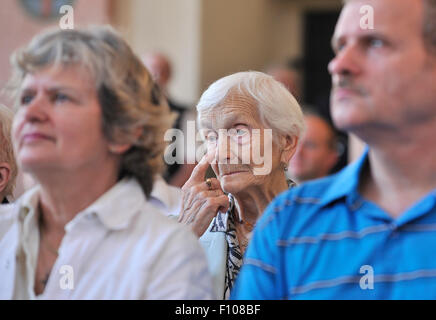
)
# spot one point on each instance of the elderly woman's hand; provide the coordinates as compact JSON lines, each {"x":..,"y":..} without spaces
{"x":201,"y":199}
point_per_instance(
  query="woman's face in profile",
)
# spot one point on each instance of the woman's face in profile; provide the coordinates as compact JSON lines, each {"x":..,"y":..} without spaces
{"x":244,"y":152}
{"x":59,"y":122}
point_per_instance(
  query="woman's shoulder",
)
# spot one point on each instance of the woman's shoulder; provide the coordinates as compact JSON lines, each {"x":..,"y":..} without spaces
{"x":8,"y":216}
{"x":10,"y":213}
{"x":152,"y":222}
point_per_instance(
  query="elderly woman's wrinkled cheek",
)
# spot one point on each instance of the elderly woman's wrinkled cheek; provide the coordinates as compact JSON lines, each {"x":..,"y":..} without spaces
{"x":261,"y":151}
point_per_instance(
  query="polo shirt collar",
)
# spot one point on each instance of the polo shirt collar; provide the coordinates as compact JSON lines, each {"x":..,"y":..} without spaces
{"x":346,"y":184}
{"x":346,"y":181}
{"x":29,"y":203}
{"x":116,"y":207}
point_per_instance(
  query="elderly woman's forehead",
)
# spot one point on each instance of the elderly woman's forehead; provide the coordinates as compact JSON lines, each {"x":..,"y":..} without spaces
{"x":238,"y":103}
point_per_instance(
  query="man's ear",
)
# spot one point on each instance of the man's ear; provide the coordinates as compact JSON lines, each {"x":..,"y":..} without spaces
{"x":331,"y":160}
{"x":5,"y":175}
{"x":288,"y":148}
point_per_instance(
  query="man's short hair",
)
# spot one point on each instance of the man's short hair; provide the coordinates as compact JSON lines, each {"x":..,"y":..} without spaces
{"x":429,"y":25}
{"x":6,"y":148}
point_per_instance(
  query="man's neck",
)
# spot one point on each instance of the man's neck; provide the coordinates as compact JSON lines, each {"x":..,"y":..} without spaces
{"x":399,"y":175}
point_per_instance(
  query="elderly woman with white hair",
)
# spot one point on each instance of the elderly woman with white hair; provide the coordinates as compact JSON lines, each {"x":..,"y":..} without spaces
{"x":251,"y":125}
{"x":89,"y":129}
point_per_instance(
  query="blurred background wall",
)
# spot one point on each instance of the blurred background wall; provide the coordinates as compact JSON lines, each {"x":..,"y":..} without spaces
{"x":207,"y":39}
{"x":204,"y":39}
{"x":18,"y":26}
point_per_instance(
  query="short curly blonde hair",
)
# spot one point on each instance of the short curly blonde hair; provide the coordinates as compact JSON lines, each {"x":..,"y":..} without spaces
{"x":6,"y":150}
{"x":128,"y":97}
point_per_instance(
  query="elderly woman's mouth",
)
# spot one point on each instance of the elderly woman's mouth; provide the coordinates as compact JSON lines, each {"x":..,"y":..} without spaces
{"x":232,"y":173}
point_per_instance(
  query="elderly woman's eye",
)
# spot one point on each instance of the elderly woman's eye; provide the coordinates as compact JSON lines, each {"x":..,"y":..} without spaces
{"x":211,"y":138}
{"x":238,"y":132}
{"x":241,"y":132}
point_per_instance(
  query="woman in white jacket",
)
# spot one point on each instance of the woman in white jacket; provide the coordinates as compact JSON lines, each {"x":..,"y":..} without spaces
{"x":89,"y":129}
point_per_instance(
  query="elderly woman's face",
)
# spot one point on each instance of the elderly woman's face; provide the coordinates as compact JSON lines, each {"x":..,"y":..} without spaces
{"x":59,"y":121}
{"x":244,"y":152}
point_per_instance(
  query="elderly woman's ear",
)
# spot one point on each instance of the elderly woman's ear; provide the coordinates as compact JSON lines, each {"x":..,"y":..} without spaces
{"x":288,"y":147}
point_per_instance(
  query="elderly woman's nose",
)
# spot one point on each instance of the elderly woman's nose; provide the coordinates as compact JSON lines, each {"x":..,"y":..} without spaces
{"x":223,"y":151}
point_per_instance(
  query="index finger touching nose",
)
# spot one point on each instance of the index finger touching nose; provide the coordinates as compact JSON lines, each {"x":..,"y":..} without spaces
{"x":200,"y":169}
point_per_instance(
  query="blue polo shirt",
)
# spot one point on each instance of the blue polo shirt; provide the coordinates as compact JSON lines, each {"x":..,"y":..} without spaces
{"x":323,"y":240}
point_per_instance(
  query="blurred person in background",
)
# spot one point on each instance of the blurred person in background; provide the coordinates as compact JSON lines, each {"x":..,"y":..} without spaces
{"x":89,"y":130}
{"x":235,"y":114}
{"x":291,"y":74}
{"x":160,"y":68}
{"x":8,"y":166}
{"x":318,"y":151}
{"x":289,"y":77}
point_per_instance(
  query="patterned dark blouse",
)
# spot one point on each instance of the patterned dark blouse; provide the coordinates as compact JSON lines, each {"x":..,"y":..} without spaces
{"x":226,"y":222}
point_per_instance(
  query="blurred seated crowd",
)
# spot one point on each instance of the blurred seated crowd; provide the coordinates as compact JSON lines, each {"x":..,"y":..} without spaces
{"x":264,"y":212}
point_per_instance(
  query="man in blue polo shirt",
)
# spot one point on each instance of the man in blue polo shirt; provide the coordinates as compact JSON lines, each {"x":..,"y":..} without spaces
{"x":368,"y":232}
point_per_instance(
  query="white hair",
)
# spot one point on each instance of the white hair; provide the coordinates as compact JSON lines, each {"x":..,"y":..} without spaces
{"x":276,"y":106}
